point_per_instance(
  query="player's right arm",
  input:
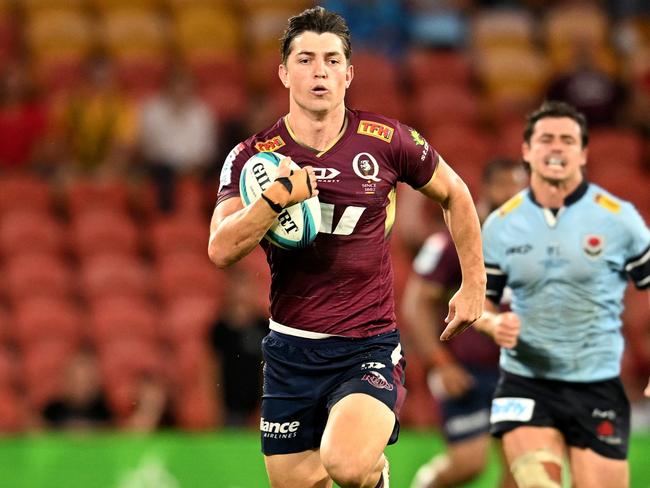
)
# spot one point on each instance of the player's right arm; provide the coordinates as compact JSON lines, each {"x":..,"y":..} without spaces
{"x":235,"y":230}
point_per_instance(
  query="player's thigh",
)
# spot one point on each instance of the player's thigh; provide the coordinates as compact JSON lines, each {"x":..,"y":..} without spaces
{"x":357,"y":431}
{"x":534,"y":453}
{"x":297,"y":470}
{"x":589,"y":468}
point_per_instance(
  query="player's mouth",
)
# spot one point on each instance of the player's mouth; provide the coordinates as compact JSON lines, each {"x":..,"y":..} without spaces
{"x":319,"y":90}
{"x":555,"y":162}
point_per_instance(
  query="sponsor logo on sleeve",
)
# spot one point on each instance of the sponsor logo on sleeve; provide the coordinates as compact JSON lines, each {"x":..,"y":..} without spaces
{"x":270,"y":145}
{"x":608,"y":203}
{"x":512,"y":409}
{"x":375,"y":129}
{"x":226,"y":170}
{"x":593,"y":245}
{"x":420,"y":141}
{"x":511,"y":204}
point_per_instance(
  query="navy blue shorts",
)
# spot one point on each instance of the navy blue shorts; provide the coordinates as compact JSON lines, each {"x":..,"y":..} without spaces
{"x":593,"y":415}
{"x":304,"y":378}
{"x":468,"y":416}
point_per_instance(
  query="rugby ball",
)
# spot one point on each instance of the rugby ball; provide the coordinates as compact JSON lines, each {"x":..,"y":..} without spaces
{"x":296,"y":226}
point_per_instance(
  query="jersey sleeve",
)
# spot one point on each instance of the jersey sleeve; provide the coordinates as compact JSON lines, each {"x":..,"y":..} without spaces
{"x":417,"y":160}
{"x":437,"y":261}
{"x":493,"y":254}
{"x":230,"y":171}
{"x":637,"y":264}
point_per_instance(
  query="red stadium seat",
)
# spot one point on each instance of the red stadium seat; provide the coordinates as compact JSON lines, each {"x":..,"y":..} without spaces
{"x":43,"y":319}
{"x":13,"y":414}
{"x":109,"y":275}
{"x":614,"y":147}
{"x":196,"y":409}
{"x":117,"y":318}
{"x":446,"y":104}
{"x":179,"y":233}
{"x":43,"y":370}
{"x":189,"y":318}
{"x":8,"y":369}
{"x":24,"y":192}
{"x":25,"y":231}
{"x":430,"y":68}
{"x":188,"y":274}
{"x":83,"y":194}
{"x":38,"y":275}
{"x":104,"y":231}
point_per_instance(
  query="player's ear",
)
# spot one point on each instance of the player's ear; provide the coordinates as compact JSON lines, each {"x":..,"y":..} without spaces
{"x":349,"y":74}
{"x":283,"y":75}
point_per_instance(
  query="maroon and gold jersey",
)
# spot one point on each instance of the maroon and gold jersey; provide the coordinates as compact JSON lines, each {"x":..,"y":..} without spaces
{"x":343,"y":283}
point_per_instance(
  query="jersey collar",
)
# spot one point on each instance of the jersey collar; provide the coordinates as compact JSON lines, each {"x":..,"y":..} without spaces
{"x":572,"y":198}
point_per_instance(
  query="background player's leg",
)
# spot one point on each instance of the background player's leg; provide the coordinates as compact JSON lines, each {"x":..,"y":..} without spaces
{"x":298,"y":470}
{"x":591,"y":469}
{"x":535,"y":455}
{"x":357,"y":431}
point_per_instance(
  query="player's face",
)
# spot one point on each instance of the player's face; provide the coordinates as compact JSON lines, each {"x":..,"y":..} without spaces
{"x":316,"y":72}
{"x":555,"y":152}
{"x":503,"y":186}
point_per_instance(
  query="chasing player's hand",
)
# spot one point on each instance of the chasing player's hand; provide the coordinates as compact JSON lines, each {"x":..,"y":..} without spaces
{"x":465,"y":307}
{"x":646,"y":392}
{"x":449,"y":381}
{"x":506,"y":329}
{"x":292,"y":186}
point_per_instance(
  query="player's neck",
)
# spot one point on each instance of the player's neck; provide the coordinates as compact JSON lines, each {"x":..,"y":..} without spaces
{"x":552,"y":194}
{"x":316,"y":131}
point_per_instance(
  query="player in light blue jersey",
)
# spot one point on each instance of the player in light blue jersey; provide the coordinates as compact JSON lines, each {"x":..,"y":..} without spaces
{"x":566,"y":248}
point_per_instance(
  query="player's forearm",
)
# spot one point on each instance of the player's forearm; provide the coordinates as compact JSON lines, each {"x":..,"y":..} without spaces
{"x":238,"y":234}
{"x":465,"y":229}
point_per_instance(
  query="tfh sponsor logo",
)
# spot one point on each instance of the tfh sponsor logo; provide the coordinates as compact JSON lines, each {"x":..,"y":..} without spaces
{"x":270,"y":145}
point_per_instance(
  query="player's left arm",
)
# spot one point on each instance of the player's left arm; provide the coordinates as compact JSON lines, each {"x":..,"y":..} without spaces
{"x":448,"y":189}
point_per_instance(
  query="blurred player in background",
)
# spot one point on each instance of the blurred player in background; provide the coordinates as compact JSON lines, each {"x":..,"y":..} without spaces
{"x":463,"y":373}
{"x":333,"y":373}
{"x":566,"y":248}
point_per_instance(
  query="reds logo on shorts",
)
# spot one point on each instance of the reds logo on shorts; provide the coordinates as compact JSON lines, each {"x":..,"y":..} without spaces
{"x":377,"y":380}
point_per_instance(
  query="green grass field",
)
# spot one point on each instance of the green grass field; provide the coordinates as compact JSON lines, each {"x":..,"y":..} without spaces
{"x":227,"y":459}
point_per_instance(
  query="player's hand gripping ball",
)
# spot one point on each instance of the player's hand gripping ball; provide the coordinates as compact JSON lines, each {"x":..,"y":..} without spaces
{"x":297,"y":225}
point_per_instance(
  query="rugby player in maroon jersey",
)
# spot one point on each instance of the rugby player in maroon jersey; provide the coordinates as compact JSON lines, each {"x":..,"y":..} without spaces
{"x":333,"y":372}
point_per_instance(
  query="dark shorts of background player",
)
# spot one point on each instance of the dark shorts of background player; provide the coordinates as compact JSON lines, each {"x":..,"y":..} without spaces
{"x":593,"y":415}
{"x":304,"y":378}
{"x":468,"y":416}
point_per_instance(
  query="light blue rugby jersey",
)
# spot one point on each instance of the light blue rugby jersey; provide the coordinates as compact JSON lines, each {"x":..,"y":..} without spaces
{"x":568,"y":274}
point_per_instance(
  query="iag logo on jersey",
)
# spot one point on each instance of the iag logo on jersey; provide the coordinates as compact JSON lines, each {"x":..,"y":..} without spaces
{"x":270,"y":145}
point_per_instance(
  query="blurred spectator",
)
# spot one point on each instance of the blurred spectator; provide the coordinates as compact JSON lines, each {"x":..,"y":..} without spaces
{"x":22,"y":119}
{"x":439,"y":23}
{"x":177,"y":135}
{"x":236,"y":338}
{"x":593,"y":92}
{"x":97,"y":124}
{"x":82,"y":404}
{"x":152,"y":410}
{"x":377,"y":25}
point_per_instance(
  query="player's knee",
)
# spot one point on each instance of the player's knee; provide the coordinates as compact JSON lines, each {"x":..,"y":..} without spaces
{"x":537,"y":469}
{"x":347,"y":473}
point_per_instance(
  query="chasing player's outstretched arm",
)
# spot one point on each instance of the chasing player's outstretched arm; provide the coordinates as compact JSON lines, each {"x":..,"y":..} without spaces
{"x":466,"y":306}
{"x":235,"y":230}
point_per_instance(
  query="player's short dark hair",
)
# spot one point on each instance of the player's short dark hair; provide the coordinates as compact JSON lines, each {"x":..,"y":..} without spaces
{"x":498,"y":165}
{"x":554,"y":108}
{"x":318,"y":20}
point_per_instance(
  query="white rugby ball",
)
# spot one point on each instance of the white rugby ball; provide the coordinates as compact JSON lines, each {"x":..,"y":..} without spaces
{"x":296,"y":226}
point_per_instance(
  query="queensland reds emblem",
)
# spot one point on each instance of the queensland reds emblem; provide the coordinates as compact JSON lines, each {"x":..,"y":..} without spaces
{"x":593,"y":245}
{"x":377,"y":380}
{"x":365,"y":166}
